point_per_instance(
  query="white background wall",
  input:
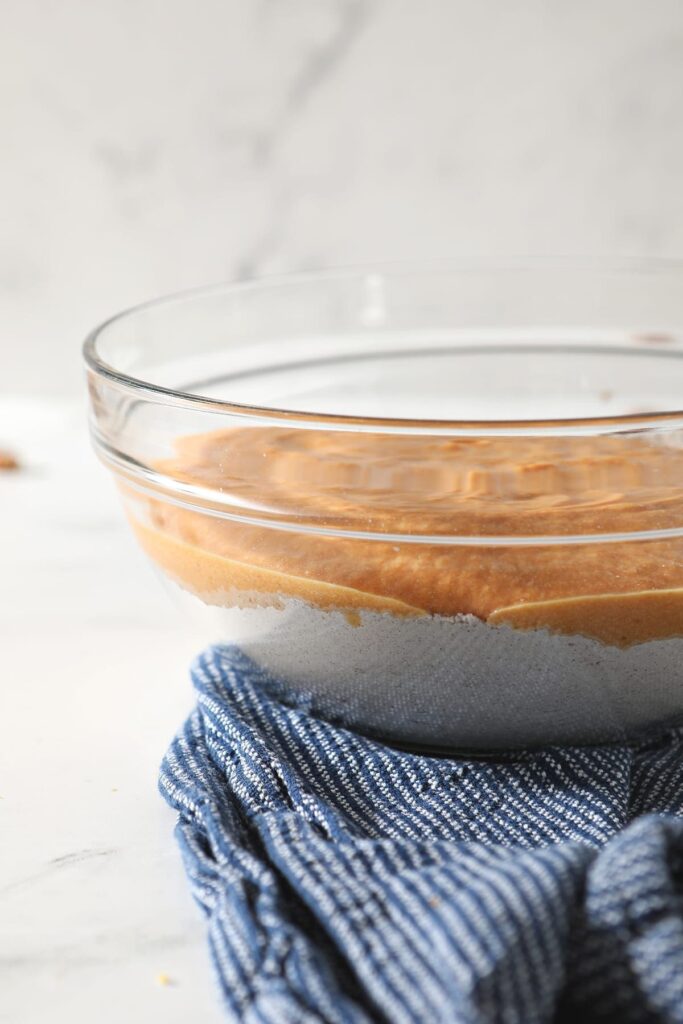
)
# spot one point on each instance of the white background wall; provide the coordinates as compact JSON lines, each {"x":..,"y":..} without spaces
{"x":153,"y":145}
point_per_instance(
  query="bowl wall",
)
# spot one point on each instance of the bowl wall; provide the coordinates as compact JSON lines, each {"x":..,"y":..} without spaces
{"x":445,"y":507}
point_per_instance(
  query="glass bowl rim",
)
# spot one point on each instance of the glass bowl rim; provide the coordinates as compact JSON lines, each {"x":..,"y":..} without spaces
{"x":341,"y":421}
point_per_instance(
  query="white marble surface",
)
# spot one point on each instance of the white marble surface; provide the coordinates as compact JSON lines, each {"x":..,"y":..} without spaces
{"x":93,"y":665}
{"x":149,"y":146}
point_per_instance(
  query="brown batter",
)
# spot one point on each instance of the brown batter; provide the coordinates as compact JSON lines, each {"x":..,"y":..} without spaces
{"x":619,"y":592}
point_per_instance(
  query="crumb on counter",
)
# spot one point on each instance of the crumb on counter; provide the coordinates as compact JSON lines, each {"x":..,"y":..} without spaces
{"x":655,"y":338}
{"x":165,"y":980}
{"x":7,"y":460}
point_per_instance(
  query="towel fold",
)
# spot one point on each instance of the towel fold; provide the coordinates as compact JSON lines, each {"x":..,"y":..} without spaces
{"x":345,"y":881}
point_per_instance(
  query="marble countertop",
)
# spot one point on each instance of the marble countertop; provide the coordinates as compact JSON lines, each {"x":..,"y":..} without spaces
{"x":96,"y":921}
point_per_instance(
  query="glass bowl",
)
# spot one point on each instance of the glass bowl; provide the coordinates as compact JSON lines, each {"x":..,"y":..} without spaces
{"x":441,"y":505}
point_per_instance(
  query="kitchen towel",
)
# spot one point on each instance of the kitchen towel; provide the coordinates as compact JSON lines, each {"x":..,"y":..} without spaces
{"x":345,"y":881}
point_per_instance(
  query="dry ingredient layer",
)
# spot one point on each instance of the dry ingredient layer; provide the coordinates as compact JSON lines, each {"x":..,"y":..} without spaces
{"x":452,"y":683}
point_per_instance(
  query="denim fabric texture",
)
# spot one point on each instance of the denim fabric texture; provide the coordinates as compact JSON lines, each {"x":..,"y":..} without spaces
{"x":345,"y":881}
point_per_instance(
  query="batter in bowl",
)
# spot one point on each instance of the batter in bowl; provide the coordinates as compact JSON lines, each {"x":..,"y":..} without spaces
{"x":576,"y":639}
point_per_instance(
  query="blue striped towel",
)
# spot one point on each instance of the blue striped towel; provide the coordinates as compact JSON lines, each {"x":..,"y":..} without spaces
{"x":345,"y":881}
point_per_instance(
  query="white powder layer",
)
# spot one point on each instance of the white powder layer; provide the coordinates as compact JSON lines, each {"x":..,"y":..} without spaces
{"x":458,"y":683}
